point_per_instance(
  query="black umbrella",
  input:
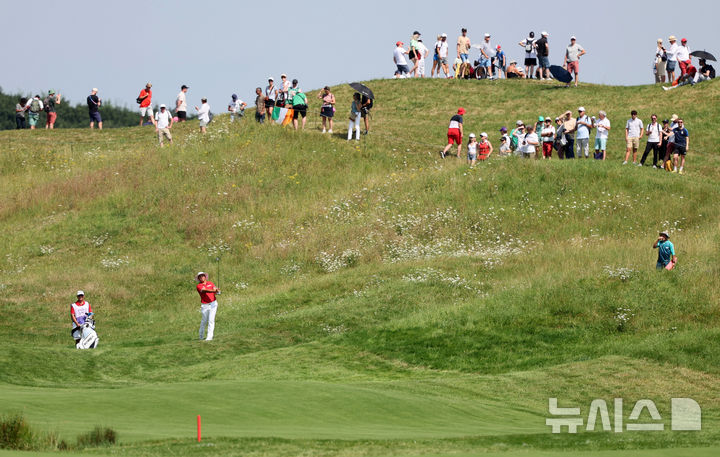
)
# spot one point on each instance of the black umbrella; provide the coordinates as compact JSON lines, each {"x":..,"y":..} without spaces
{"x":363,"y":89}
{"x":560,"y":74}
{"x":703,"y":55}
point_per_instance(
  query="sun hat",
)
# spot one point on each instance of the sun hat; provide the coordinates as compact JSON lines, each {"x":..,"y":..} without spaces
{"x":484,"y":135}
{"x":665,"y":234}
{"x":163,"y":106}
{"x":503,"y":129}
{"x":672,"y":38}
{"x":399,"y":43}
{"x":548,"y":119}
{"x":674,"y":118}
{"x":513,"y":61}
{"x":519,"y":122}
{"x":472,"y":135}
{"x":461,"y":111}
{"x":80,"y":292}
{"x":541,"y":119}
{"x":660,"y":40}
{"x":200,"y":273}
{"x":582,"y":108}
{"x":567,"y":112}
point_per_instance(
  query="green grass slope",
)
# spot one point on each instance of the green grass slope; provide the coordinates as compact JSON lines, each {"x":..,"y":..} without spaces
{"x":376,"y":299}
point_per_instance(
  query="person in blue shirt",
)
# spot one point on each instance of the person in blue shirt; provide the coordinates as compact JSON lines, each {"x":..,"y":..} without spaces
{"x":682,"y":143}
{"x":666,"y":251}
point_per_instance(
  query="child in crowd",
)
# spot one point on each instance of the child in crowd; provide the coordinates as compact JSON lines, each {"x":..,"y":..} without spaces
{"x":504,"y":142}
{"x":484,"y":147}
{"x":472,"y":150}
{"x":548,"y":138}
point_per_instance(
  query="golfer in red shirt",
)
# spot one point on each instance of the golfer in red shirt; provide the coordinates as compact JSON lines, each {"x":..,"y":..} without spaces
{"x":455,"y":132}
{"x":208,"y":305}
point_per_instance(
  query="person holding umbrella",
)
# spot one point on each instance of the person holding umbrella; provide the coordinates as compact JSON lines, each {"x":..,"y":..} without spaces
{"x":208,"y":305}
{"x":367,"y":100}
{"x":666,"y":252}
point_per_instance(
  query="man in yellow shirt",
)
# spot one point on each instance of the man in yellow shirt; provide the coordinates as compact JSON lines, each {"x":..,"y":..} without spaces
{"x":463,"y":49}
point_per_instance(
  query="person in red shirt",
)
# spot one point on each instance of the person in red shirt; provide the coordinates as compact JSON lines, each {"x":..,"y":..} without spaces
{"x":455,"y":132}
{"x":145,"y":100}
{"x":484,"y":147}
{"x":208,"y":305}
{"x":78,"y":314}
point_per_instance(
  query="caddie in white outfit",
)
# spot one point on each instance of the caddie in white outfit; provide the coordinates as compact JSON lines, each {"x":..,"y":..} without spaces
{"x":78,"y":314}
{"x":208,"y":307}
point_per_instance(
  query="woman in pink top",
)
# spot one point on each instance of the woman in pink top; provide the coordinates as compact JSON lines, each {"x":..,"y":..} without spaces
{"x":327,"y":110}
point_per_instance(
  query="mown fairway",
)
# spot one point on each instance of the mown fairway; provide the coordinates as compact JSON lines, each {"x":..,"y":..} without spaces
{"x":377,"y":300}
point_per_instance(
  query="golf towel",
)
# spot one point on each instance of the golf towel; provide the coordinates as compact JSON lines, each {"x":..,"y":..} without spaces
{"x":282,"y":116}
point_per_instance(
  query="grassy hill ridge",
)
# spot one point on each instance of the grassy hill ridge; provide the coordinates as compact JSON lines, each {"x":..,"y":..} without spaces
{"x":366,"y":271}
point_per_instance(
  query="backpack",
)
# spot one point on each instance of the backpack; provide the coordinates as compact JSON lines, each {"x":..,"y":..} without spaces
{"x":46,"y":104}
{"x":529,"y":44}
{"x":35,"y":105}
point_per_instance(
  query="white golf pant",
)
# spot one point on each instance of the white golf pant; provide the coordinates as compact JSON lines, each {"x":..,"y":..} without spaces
{"x":356,"y":125}
{"x":208,"y":311}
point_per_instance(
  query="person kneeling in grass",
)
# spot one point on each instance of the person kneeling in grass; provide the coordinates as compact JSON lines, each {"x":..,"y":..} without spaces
{"x":666,"y":252}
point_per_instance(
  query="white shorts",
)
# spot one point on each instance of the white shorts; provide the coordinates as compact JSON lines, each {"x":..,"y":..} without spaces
{"x":421,"y":67}
{"x":146,"y":110}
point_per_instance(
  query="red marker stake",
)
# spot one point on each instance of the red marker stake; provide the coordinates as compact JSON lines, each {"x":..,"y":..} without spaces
{"x":199,"y":435}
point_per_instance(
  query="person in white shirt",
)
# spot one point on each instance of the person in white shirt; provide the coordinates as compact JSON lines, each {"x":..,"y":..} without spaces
{"x":582,"y":133}
{"x":181,"y":104}
{"x":422,"y":55}
{"x":236,"y":107}
{"x":400,"y":61}
{"x":34,"y":106}
{"x":530,"y":142}
{"x":683,"y":57}
{"x":203,"y":115}
{"x":530,"y":54}
{"x":486,"y":54}
{"x":270,"y":97}
{"x":633,"y":132}
{"x":671,"y":58}
{"x":443,"y":54}
{"x":602,"y":127}
{"x":163,"y":123}
{"x":548,"y":137}
{"x":654,"y":140}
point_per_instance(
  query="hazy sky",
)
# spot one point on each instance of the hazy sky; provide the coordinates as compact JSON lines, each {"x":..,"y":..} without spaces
{"x":218,"y":47}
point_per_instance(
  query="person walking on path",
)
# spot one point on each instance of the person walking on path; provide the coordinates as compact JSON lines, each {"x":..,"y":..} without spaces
{"x":455,"y":133}
{"x":660,"y":62}
{"x":181,"y":104}
{"x":78,"y":314}
{"x":94,"y":103}
{"x":163,"y":124}
{"x":208,"y":305}
{"x":602,"y":128}
{"x":34,"y":106}
{"x":270,"y":97}
{"x":680,"y":149}
{"x":463,"y":49}
{"x":572,"y":59}
{"x":203,"y":115}
{"x":49,"y":105}
{"x":327,"y":109}
{"x":672,"y":58}
{"x":20,"y":110}
{"x":582,"y":137}
{"x":145,"y":100}
{"x":259,"y":106}
{"x":354,"y":122}
{"x":633,"y":132}
{"x":299,"y":104}
{"x":236,"y":107}
{"x":654,"y":140}
{"x":666,"y":252}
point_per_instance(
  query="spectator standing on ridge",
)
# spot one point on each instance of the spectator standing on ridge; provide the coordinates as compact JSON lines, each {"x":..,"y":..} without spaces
{"x":569,"y":127}
{"x":660,"y":62}
{"x":270,"y":97}
{"x":181,"y":104}
{"x":354,"y":122}
{"x":163,"y":123}
{"x":414,"y":52}
{"x":463,"y":49}
{"x":682,"y":144}
{"x":443,"y":54}
{"x":572,"y":59}
{"x":20,"y":109}
{"x":666,"y":252}
{"x":672,"y":58}
{"x":145,"y":101}
{"x":34,"y":106}
{"x":582,"y":137}
{"x":49,"y":105}
{"x":633,"y":133}
{"x":548,"y":138}
{"x":281,"y":94}
{"x":94,"y":103}
{"x":327,"y":109}
{"x":422,"y":58}
{"x":683,"y":57}
{"x":654,"y":140}
{"x":399,"y":58}
{"x":455,"y":133}
{"x":203,"y":114}
{"x":530,"y":52}
{"x":208,"y":305}
{"x":543,"y":53}
{"x":602,"y":128}
{"x":259,"y":106}
{"x":436,"y":57}
{"x":236,"y":108}
{"x":299,"y":104}
{"x":500,"y":62}
{"x":486,"y":56}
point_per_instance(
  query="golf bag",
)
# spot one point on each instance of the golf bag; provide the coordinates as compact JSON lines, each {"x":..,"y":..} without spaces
{"x":88,"y":336}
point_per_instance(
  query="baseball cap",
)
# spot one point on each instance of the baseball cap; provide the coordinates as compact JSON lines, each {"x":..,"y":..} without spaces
{"x":544,"y":33}
{"x":163,"y":106}
{"x":234,"y":96}
{"x":487,"y":35}
{"x":684,"y":40}
{"x":461,"y":111}
{"x":665,"y":234}
{"x":674,"y":118}
{"x":541,"y":119}
{"x":94,"y":89}
{"x":503,"y":129}
{"x":270,"y":78}
{"x":472,"y":135}
{"x":294,"y":81}
{"x":672,"y":38}
{"x":416,"y":33}
{"x":80,"y":292}
{"x":498,"y":46}
{"x":444,"y":35}
{"x":283,"y":75}
{"x":519,"y":122}
{"x":659,"y":40}
{"x":399,"y":43}
{"x":573,"y":37}
{"x":666,"y":121}
{"x":184,"y":87}
{"x":200,"y":273}
{"x":484,"y":135}
{"x":582,"y":108}
{"x":51,"y":92}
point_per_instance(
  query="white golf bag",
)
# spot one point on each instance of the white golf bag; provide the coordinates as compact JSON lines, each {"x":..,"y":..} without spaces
{"x":88,"y":336}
